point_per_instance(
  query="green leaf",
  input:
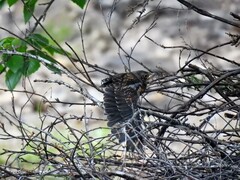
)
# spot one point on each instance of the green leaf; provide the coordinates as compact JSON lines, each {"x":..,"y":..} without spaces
{"x":6,"y":43}
{"x":19,"y":45}
{"x":31,"y":66}
{"x":15,"y":63}
{"x":40,"y":39}
{"x":2,"y":68}
{"x":16,"y":42}
{"x":12,"y":79}
{"x":52,"y":49}
{"x":28,"y":9}
{"x":11,"y":43}
{"x":7,"y":46}
{"x":33,"y":43}
{"x":2,"y":3}
{"x":43,"y":55}
{"x":11,"y":2}
{"x":46,"y":56}
{"x":5,"y":57}
{"x":40,"y":42}
{"x":6,"y":40}
{"x":53,"y":62}
{"x":54,"y":69}
{"x":80,"y":3}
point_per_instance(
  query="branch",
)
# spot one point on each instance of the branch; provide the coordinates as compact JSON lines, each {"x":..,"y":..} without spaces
{"x":205,"y":13}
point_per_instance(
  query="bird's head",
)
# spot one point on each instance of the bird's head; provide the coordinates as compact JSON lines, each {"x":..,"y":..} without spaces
{"x":143,"y":76}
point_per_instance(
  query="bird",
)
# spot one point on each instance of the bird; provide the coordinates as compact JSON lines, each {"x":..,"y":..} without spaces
{"x":120,"y":100}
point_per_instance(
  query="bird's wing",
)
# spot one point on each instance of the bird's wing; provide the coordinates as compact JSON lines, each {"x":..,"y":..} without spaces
{"x":111,"y":109}
{"x":120,"y":103}
{"x":121,"y":96}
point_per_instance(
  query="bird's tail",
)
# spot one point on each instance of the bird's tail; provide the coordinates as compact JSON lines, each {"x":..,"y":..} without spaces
{"x":131,"y":133}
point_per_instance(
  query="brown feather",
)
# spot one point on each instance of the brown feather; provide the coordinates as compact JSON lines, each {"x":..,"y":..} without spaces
{"x":121,"y":95}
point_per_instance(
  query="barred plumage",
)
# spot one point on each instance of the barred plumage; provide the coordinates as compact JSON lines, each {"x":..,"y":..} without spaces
{"x":121,"y":95}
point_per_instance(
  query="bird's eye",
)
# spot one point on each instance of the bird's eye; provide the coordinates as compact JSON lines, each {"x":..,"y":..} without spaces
{"x":146,"y":76}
